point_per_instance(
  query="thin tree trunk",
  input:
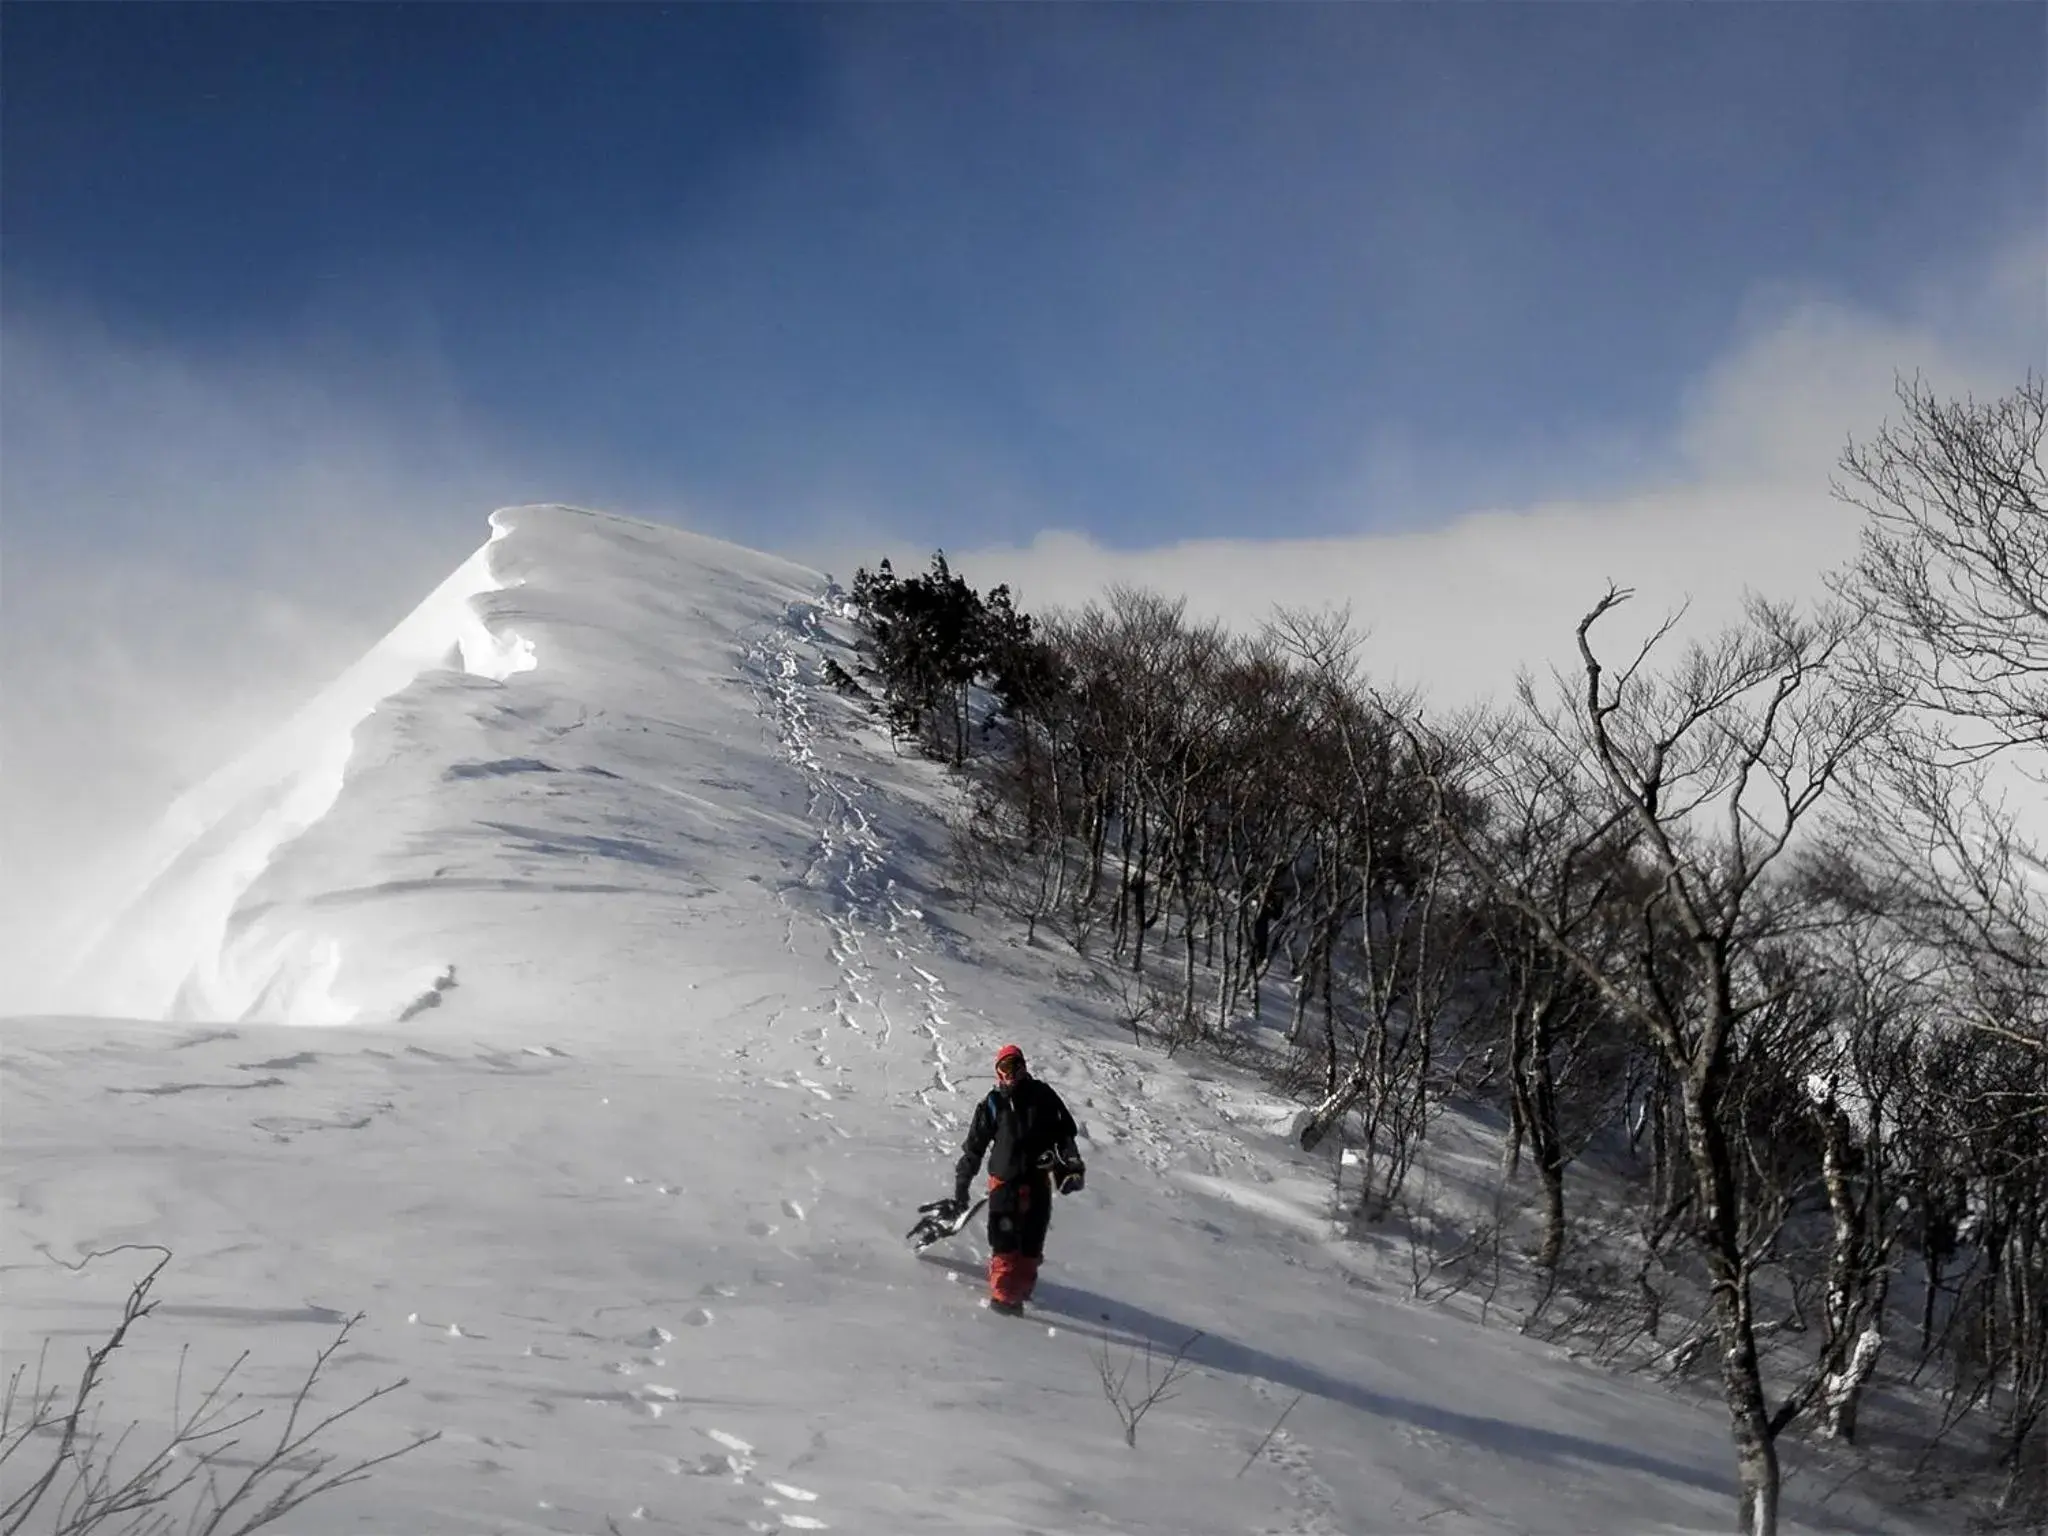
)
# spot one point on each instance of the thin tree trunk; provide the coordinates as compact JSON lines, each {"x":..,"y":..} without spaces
{"x":1756,"y":1452}
{"x":1547,"y":1141}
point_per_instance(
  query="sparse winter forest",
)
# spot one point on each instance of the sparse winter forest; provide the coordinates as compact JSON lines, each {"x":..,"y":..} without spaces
{"x":1741,"y":941}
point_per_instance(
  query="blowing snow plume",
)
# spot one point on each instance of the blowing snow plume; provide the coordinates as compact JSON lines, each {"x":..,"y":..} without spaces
{"x":190,"y":943}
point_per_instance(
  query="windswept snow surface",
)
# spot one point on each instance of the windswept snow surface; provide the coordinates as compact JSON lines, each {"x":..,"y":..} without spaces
{"x":664,"y":1022}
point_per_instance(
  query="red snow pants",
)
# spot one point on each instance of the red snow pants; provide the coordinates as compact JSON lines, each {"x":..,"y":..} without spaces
{"x":1019,"y":1212}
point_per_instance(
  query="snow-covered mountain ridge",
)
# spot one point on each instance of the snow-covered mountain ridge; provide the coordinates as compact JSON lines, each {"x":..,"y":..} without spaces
{"x":661,"y":1019}
{"x":303,"y":883}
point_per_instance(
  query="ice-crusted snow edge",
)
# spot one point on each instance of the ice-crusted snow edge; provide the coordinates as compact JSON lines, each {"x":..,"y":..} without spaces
{"x":168,"y":950}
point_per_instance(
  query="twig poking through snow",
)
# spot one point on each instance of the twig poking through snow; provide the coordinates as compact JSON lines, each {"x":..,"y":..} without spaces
{"x":1130,"y":1407}
{"x":1269,"y":1437}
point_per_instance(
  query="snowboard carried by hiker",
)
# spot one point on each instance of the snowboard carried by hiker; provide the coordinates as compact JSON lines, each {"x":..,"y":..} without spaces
{"x":1027,"y":1136}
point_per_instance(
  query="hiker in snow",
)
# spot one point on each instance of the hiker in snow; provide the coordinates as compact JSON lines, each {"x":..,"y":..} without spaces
{"x":1028,"y":1138}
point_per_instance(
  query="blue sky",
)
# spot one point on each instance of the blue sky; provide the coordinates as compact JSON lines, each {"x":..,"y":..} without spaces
{"x":972,"y":272}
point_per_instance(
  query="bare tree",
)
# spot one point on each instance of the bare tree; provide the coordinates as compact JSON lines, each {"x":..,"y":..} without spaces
{"x":201,"y":1478}
{"x":1954,"y":573}
{"x":1715,"y":765}
{"x":1880,"y":1006}
{"x":1394,"y":940}
{"x":1955,"y":558}
{"x":1948,"y":822}
{"x":1537,"y":841}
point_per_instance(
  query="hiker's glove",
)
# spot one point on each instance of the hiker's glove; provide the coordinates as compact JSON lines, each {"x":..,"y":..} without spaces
{"x":1072,"y":1180}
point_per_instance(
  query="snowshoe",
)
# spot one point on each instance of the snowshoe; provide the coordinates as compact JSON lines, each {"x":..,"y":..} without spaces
{"x":941,"y":1218}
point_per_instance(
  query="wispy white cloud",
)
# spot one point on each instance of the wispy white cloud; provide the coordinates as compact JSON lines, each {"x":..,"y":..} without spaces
{"x":1737,"y":498}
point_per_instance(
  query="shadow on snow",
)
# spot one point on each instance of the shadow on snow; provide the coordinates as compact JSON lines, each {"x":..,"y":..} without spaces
{"x":1120,"y":1323}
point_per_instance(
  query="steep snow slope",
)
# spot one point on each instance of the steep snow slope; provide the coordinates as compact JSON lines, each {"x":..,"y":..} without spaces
{"x":661,"y":1023}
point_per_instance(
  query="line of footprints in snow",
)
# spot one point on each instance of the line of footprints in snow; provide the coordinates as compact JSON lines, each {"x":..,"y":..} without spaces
{"x":848,"y":857}
{"x":735,"y":1458}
